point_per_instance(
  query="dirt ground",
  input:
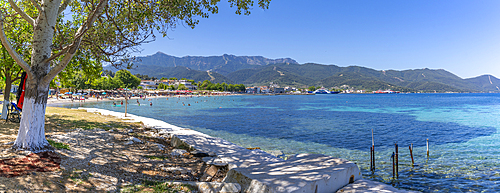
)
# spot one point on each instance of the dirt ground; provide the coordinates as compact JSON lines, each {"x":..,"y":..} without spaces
{"x":103,"y":157}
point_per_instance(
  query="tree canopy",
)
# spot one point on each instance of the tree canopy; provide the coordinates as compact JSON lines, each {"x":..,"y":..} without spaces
{"x":100,"y":31}
{"x":128,"y":79}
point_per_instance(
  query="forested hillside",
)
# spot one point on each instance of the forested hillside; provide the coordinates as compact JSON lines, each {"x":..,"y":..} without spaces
{"x":257,"y":70}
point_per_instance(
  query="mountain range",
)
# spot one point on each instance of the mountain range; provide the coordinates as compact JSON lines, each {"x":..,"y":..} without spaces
{"x":258,"y":70}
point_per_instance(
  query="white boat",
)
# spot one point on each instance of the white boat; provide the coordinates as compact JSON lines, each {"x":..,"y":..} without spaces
{"x":321,"y":91}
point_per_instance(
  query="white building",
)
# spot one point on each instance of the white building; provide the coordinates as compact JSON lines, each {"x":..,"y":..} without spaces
{"x":149,"y":84}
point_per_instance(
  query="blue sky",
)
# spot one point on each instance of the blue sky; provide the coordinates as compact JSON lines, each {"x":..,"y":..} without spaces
{"x":461,"y":36}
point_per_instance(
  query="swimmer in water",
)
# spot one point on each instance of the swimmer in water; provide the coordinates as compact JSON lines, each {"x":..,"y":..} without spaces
{"x":150,"y":104}
{"x":114,"y":104}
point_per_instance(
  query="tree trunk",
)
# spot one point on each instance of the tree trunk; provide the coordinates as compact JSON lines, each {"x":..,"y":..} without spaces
{"x":6,"y":95}
{"x":31,"y":136}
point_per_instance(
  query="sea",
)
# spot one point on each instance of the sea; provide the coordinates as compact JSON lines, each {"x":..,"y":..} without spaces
{"x":462,"y":131}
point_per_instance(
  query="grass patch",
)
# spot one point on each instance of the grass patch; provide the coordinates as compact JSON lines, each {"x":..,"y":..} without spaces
{"x":61,"y":119}
{"x":58,"y":145}
{"x":156,"y":157}
{"x":156,"y":186}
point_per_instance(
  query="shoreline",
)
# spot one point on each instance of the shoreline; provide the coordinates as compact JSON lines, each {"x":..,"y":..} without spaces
{"x":243,"y":163}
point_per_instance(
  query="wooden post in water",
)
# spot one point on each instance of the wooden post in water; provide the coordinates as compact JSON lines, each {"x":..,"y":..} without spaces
{"x":411,"y":154}
{"x":373,"y":154}
{"x":393,"y":171}
{"x":427,"y":148}
{"x":371,"y":159}
{"x":397,"y":161}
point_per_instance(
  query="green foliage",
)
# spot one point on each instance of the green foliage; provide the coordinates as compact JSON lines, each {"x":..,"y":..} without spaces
{"x":156,"y":157}
{"x":162,"y":86}
{"x":311,"y":88}
{"x":207,"y":85}
{"x":139,"y":87}
{"x":128,"y":80}
{"x":145,"y":77}
{"x":106,"y":83}
{"x":182,"y":87}
{"x":58,"y":145}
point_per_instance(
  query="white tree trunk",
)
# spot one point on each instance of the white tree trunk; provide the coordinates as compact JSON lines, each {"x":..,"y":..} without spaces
{"x":4,"y":109}
{"x":31,"y":134}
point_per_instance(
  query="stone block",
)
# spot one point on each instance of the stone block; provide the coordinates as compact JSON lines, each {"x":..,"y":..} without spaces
{"x":300,"y":173}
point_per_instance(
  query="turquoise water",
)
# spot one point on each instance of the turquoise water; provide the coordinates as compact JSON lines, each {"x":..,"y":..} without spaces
{"x":463,"y":131}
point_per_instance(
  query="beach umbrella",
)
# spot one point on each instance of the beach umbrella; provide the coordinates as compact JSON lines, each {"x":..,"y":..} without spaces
{"x":103,"y":93}
{"x":68,"y":93}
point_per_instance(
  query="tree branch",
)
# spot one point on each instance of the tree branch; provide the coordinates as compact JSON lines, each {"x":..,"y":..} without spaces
{"x":10,"y":49}
{"x":16,"y":78}
{"x":63,"y":51}
{"x":37,"y":6}
{"x":23,"y":14}
{"x":76,"y":42}
{"x":63,"y":6}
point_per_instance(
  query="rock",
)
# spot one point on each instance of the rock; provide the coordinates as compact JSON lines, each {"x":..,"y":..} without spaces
{"x":197,"y":153}
{"x":111,"y":130}
{"x":215,"y":161}
{"x":130,"y":131}
{"x":212,"y":187}
{"x":212,"y":170}
{"x":109,"y":144}
{"x":129,"y":143}
{"x":206,"y":178}
{"x":178,"y":152}
{"x":176,"y":170}
{"x":160,"y":146}
{"x":135,"y":140}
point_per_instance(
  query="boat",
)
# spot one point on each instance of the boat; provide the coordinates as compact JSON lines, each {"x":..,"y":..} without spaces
{"x":321,"y":91}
